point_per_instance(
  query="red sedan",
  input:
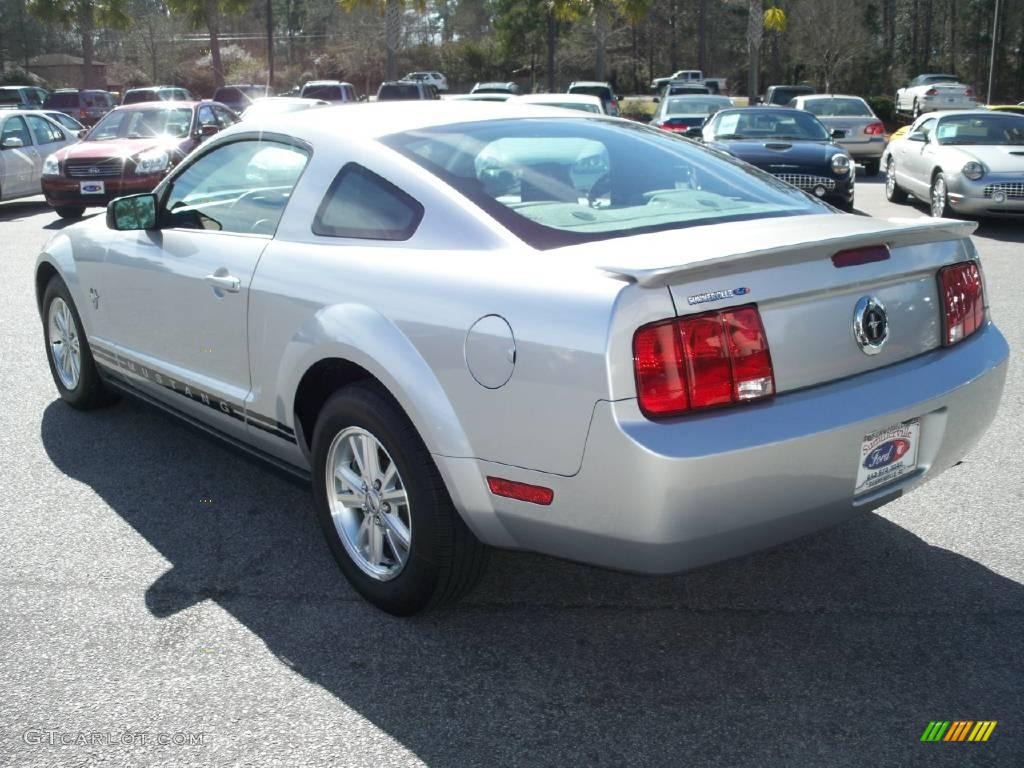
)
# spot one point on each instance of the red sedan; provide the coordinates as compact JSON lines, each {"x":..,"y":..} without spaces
{"x":129,"y":151}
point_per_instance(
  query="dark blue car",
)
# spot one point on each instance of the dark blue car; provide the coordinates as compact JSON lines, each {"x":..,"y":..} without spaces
{"x":790,"y":144}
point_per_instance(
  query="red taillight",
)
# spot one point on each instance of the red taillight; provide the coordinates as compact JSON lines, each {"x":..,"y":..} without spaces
{"x":535,"y":494}
{"x":702,"y":361}
{"x":969,"y":93}
{"x":963,"y":301}
{"x":615,"y":104}
{"x":931,"y":92}
{"x":874,"y":129}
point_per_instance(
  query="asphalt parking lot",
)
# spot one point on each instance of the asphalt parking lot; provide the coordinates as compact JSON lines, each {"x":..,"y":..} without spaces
{"x":159,"y":588}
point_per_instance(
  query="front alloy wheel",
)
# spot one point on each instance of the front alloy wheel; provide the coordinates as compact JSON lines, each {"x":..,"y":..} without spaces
{"x":369,"y":504}
{"x":940,"y":198}
{"x":893,"y":192}
{"x":65,"y":347}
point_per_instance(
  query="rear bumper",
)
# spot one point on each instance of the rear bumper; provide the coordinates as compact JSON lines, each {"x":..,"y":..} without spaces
{"x":62,"y":191}
{"x":865,"y":150}
{"x":664,"y":497}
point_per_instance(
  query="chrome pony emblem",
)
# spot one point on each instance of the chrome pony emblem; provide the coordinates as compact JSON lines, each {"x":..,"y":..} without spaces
{"x":870,"y":325}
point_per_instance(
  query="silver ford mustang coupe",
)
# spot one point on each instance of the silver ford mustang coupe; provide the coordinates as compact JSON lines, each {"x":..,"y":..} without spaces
{"x":969,"y":163}
{"x":477,"y":324}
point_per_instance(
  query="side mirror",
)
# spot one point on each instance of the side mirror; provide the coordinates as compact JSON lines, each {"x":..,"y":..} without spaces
{"x":838,"y":133}
{"x":132,"y":212}
{"x":81,"y":134}
{"x":13,"y":142}
{"x":923,"y":138}
{"x":208,"y":130}
{"x":656,"y":99}
{"x":694,"y":133}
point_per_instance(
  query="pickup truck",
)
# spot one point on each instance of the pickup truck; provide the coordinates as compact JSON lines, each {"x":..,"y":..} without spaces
{"x":931,"y":93}
{"x":714,"y":84}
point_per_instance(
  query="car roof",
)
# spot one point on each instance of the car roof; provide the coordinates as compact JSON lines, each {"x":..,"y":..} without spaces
{"x":378,"y":119}
{"x":600,"y":83}
{"x":701,"y":97}
{"x":163,"y":105}
{"x":961,"y":112}
{"x":823,"y":96}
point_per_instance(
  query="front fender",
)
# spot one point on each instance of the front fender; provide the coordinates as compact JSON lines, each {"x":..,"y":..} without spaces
{"x":361,"y":335}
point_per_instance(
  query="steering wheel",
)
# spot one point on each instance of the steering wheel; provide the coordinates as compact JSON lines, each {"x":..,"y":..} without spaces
{"x":602,"y":186}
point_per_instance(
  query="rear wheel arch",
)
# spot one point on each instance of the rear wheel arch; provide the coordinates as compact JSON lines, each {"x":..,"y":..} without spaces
{"x":320,"y":381}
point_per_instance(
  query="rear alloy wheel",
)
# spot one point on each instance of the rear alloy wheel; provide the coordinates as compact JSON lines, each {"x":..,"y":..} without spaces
{"x":67,"y":350}
{"x":69,"y":212}
{"x":893,"y":192}
{"x":916,"y":112}
{"x":940,"y":198}
{"x":384,"y":508}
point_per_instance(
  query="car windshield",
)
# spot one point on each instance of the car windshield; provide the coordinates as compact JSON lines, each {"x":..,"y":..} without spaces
{"x":759,"y":124}
{"x":63,"y":99}
{"x":691,"y":107}
{"x":491,"y":89}
{"x":398,"y":91}
{"x":137,"y":97}
{"x":837,"y":107}
{"x":326,"y":92}
{"x":601,"y":91}
{"x":785,"y":95}
{"x":173,"y":122}
{"x":560,"y":181}
{"x":981,"y":129}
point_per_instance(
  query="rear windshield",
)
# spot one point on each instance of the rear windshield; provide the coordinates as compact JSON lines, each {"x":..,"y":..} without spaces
{"x":398,"y":92}
{"x":229,"y":94}
{"x":555,"y":182}
{"x":327,"y":92}
{"x":837,"y":108}
{"x":62,"y":100}
{"x":785,"y":95}
{"x":10,"y":97}
{"x":692,"y":107}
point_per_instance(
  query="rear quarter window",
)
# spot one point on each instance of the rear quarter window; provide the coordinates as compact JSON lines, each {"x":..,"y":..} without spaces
{"x":360,"y":204}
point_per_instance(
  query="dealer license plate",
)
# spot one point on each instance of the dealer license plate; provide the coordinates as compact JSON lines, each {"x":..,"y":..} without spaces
{"x":92,"y":187}
{"x":887,"y":455}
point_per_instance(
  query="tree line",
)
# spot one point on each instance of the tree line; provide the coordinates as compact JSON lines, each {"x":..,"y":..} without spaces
{"x":869,"y":47}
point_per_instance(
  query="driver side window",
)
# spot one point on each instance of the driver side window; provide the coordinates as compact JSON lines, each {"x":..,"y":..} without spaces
{"x":925,"y":128}
{"x":240,"y":187}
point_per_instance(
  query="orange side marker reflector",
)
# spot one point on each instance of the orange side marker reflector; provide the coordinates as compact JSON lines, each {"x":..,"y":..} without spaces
{"x":535,"y":494}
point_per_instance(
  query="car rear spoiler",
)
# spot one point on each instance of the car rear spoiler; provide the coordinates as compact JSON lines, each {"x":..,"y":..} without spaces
{"x":894,"y":233}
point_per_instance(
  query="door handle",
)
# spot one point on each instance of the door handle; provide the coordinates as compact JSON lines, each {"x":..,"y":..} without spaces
{"x":224,"y":283}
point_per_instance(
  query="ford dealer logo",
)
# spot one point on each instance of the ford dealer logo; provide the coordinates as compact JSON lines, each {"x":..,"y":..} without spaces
{"x":887,"y":453}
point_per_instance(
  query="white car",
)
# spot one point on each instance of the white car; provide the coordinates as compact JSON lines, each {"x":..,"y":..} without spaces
{"x":27,"y":137}
{"x":931,"y":93}
{"x":577,"y":101}
{"x":435,"y":79}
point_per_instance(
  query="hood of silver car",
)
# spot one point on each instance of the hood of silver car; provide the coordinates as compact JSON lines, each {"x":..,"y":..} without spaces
{"x":996,"y":159}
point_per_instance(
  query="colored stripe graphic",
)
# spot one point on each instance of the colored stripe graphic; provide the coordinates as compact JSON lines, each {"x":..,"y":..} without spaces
{"x":935,"y":730}
{"x":958,"y":730}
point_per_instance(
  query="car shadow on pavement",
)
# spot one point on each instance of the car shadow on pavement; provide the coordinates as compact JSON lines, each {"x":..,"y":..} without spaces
{"x":834,"y":650}
{"x":18,"y":210}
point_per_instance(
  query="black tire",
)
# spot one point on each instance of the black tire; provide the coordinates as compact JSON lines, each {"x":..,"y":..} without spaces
{"x":871,"y":167}
{"x":89,"y":391}
{"x":894,"y":193}
{"x":69,"y":212}
{"x":445,"y":559}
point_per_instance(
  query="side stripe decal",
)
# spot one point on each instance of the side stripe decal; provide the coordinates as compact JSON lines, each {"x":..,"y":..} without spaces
{"x":265,"y":423}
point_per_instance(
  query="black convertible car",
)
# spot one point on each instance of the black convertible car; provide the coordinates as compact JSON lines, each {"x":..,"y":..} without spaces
{"x":790,"y":144}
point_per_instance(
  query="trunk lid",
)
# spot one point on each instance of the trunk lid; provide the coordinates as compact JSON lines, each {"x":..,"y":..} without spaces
{"x":807,"y":304}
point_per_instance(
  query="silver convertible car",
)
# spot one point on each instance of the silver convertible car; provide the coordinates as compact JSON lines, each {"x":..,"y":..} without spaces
{"x":969,"y":163}
{"x":478,"y":324}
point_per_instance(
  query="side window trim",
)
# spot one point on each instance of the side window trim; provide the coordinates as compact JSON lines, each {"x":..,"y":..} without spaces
{"x":324,"y":230}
